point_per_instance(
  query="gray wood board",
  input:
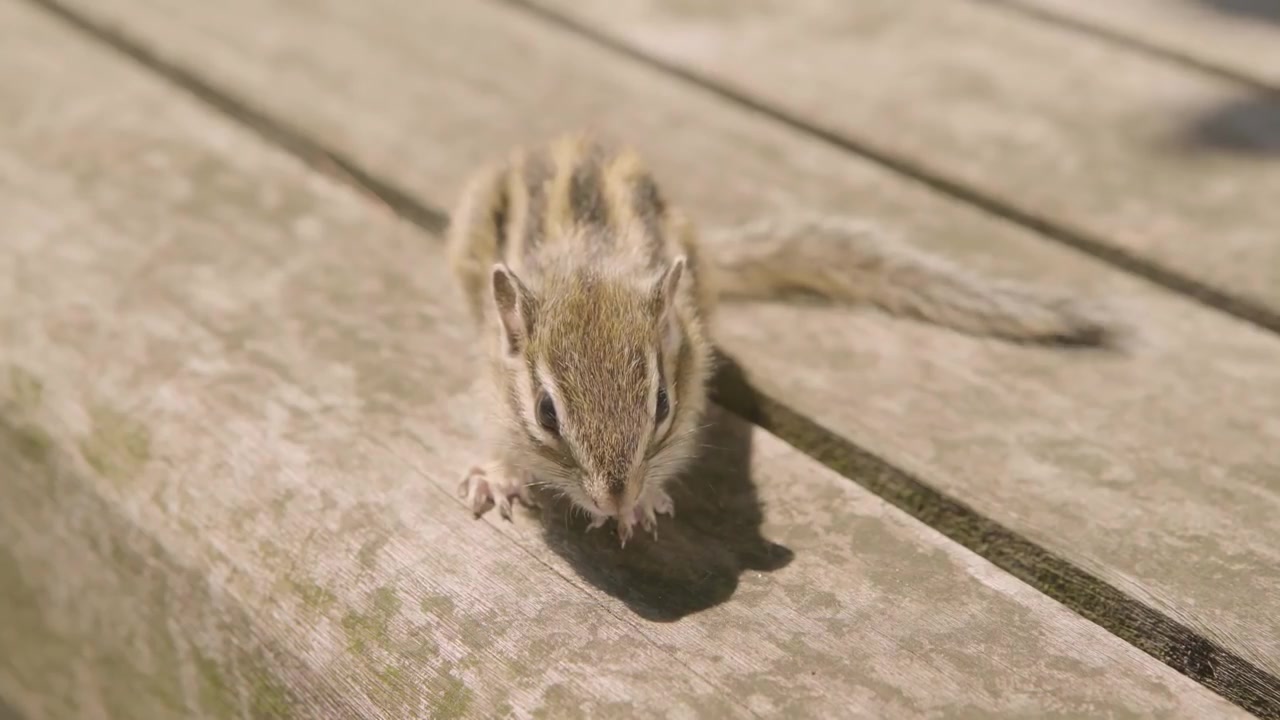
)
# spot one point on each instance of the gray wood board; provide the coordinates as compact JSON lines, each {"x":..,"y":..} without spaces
{"x":1238,"y":37}
{"x":1109,"y":461}
{"x":236,"y":399}
{"x":1161,"y":168}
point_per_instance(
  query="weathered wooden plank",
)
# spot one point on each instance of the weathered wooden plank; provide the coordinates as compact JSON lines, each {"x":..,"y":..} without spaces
{"x":1240,"y":37}
{"x":182,"y":408}
{"x":1114,"y":148}
{"x":1106,"y":460}
{"x":232,"y":417}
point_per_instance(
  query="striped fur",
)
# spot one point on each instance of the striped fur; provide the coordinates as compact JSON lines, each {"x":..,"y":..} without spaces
{"x":592,"y":288}
{"x":589,"y":287}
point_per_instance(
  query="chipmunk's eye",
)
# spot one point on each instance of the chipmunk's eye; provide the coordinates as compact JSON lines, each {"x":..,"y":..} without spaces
{"x":664,"y":405}
{"x":547,"y":417}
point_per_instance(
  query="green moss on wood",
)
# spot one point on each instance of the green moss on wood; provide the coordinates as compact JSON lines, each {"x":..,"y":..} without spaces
{"x":392,"y":692}
{"x":216,"y":696}
{"x":32,"y":443}
{"x":25,"y":389}
{"x":268,"y":699}
{"x":368,"y":554}
{"x":437,"y":606}
{"x":314,"y":596}
{"x":117,"y":446}
{"x":449,"y":696}
{"x":369,"y":629}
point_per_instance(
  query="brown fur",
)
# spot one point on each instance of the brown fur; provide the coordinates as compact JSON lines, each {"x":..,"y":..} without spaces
{"x":841,"y":259}
{"x":588,"y":285}
{"x":580,"y":273}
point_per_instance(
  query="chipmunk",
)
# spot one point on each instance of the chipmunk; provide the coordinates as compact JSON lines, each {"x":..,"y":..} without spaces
{"x":595,"y":296}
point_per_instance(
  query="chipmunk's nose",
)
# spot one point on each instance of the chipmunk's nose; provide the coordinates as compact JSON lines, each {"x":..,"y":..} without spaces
{"x":617,"y":489}
{"x":609,"y":493}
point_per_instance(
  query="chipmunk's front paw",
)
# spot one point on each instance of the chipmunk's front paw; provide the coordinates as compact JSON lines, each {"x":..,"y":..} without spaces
{"x":660,"y":502}
{"x":645,"y":514}
{"x":489,"y":485}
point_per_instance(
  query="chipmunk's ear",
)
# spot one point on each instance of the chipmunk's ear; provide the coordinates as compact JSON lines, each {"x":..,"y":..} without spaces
{"x":665,"y":292}
{"x":515,"y":307}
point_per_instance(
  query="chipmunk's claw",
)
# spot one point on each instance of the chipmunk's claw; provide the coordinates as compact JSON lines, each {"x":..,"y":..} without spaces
{"x":654,"y":503}
{"x":648,"y":520}
{"x":625,"y":524}
{"x":661,"y":503}
{"x":645,"y":514}
{"x":483,"y":487}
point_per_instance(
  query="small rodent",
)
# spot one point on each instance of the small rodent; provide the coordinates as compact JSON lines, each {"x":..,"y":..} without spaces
{"x":596,"y":295}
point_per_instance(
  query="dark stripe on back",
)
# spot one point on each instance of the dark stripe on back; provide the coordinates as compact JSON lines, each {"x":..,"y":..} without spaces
{"x":651,"y":209}
{"x":501,"y":217}
{"x":537,"y":175}
{"x":586,"y":191}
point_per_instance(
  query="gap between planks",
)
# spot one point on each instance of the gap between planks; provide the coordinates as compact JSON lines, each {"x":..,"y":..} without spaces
{"x":1118,"y":38}
{"x":1078,"y":239}
{"x":1176,"y":645}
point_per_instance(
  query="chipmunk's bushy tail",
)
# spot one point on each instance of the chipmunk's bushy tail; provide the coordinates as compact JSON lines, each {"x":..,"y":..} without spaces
{"x":839,"y":259}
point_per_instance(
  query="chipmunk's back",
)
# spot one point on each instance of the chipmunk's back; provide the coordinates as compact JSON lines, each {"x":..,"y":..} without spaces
{"x":573,"y":204}
{"x":598,"y":351}
{"x":579,"y":201}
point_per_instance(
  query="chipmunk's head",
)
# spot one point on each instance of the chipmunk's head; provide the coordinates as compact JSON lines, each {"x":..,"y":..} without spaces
{"x":603,"y":381}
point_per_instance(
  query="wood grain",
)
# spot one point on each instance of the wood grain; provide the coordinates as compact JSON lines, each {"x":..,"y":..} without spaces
{"x":1120,"y":153}
{"x":1238,"y":38}
{"x":1132,"y":466}
{"x":236,"y":402}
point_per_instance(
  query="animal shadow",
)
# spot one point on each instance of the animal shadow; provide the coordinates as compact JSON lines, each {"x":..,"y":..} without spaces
{"x":699,"y":554}
{"x":1268,"y":10}
{"x":1248,"y":126}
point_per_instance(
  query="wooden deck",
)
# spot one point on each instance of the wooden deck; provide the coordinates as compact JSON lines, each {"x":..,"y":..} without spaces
{"x":236,"y":385}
